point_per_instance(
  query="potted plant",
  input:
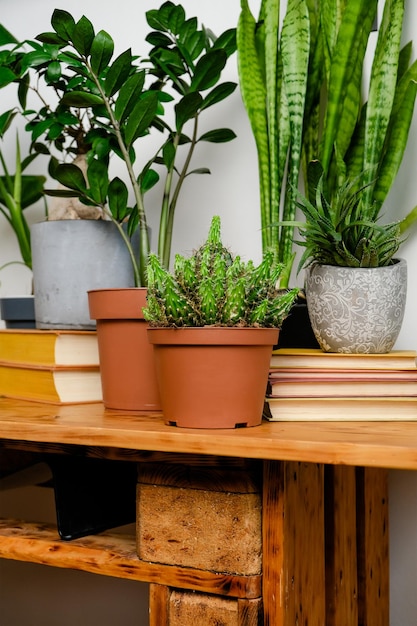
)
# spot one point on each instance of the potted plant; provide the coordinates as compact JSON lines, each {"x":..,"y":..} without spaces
{"x":213,"y":323}
{"x":105,"y":107}
{"x":359,"y":153}
{"x":18,"y":191}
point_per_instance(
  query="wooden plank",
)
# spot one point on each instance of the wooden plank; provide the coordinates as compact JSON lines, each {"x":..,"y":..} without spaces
{"x":112,"y":554}
{"x":293,"y":544}
{"x":373,"y":546}
{"x":158,"y":605}
{"x":392,"y":444}
{"x":340,"y":539}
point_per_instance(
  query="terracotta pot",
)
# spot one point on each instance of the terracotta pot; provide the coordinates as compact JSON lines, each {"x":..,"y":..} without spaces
{"x":212,"y":377}
{"x":126,"y":357}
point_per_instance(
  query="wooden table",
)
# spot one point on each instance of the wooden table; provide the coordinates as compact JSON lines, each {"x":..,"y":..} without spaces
{"x":324,"y":509}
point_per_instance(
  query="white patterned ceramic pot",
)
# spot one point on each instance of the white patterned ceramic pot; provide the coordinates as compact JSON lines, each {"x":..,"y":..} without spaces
{"x":357,"y":310}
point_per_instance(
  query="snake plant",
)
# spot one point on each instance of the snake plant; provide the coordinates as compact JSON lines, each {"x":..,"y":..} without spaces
{"x":212,"y":287}
{"x":273,"y":76}
{"x":361,"y":142}
{"x":107,"y":104}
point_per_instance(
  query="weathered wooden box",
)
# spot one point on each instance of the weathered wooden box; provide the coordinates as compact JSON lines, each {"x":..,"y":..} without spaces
{"x":201,"y":516}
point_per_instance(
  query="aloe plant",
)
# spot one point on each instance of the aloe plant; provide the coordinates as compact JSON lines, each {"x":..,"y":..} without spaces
{"x":212,"y":287}
{"x":273,"y":76}
{"x":106,"y":105}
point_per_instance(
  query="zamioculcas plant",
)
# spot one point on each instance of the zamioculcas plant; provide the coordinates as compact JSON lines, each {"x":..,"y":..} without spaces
{"x":273,"y":77}
{"x":360,"y":144}
{"x":106,"y":105}
{"x":213,"y":288}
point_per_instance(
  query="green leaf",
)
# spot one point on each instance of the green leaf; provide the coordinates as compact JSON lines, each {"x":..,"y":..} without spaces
{"x":6,"y":76}
{"x":50,"y":38}
{"x":98,"y":180}
{"x":220,"y":135}
{"x":226,"y":41}
{"x":148,"y":180}
{"x":70,"y":176}
{"x":141,"y":117}
{"x":53,"y":73}
{"x":118,"y":73}
{"x":218,"y":94}
{"x":187,"y":108}
{"x":128,"y":96}
{"x":83,"y":36}
{"x":117,"y":197}
{"x":63,"y":23}
{"x":168,"y":154}
{"x":208,"y":69}
{"x":101,"y":52}
{"x":6,"y":37}
{"x":81,"y":99}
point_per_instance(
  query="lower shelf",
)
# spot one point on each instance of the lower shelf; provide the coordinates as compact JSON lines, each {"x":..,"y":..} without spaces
{"x":112,"y":554}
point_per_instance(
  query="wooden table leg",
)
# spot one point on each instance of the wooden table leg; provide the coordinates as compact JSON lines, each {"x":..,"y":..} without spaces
{"x":293,"y":544}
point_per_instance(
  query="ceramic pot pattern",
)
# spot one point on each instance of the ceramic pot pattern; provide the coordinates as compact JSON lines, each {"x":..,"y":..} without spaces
{"x":357,"y":310}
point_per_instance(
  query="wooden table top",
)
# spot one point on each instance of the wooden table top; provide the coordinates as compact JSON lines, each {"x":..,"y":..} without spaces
{"x":373,"y":444}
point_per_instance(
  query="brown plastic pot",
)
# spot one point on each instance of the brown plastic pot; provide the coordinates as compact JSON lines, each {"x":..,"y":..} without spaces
{"x":212,"y":377}
{"x":126,"y":357}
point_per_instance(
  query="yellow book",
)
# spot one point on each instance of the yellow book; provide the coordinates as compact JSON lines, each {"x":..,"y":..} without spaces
{"x":55,"y":384}
{"x":316,"y":358}
{"x":49,"y":347}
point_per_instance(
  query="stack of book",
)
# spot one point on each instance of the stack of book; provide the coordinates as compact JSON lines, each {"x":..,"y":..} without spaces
{"x":315,"y":385}
{"x":55,"y":366}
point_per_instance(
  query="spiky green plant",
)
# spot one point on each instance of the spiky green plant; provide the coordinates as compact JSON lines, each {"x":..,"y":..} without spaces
{"x":341,"y":232}
{"x":214,"y":288}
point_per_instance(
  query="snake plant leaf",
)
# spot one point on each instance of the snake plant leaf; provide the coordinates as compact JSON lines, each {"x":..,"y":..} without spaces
{"x":83,"y":35}
{"x":253,"y":91}
{"x":396,"y":142}
{"x":129,"y":95}
{"x":63,"y":23}
{"x":102,"y":49}
{"x":340,"y":70}
{"x":118,"y":73}
{"x":382,"y":87}
{"x":295,"y":43}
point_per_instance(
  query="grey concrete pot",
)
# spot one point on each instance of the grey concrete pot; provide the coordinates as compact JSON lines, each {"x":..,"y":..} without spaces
{"x":357,"y":310}
{"x":71,"y":257}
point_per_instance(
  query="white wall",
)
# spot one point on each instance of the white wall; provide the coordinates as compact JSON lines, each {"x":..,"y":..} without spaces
{"x":232,"y":192}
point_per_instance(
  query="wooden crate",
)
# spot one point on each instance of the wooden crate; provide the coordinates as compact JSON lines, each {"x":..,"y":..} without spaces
{"x":185,"y":608}
{"x":205,"y":517}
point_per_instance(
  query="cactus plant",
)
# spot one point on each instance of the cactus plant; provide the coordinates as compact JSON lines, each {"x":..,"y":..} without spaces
{"x":213,"y":287}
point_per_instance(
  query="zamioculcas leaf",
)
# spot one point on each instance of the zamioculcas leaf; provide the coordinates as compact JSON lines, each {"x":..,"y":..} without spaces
{"x":129,"y":95}
{"x":118,"y":73}
{"x":6,"y":37}
{"x":101,"y":52}
{"x":98,"y":181}
{"x":141,"y":117}
{"x":148,"y":180}
{"x":219,"y":93}
{"x":83,"y":35}
{"x":63,"y":23}
{"x":118,"y":197}
{"x":208,"y":69}
{"x":6,"y":76}
{"x":187,"y":108}
{"x":220,"y":135}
